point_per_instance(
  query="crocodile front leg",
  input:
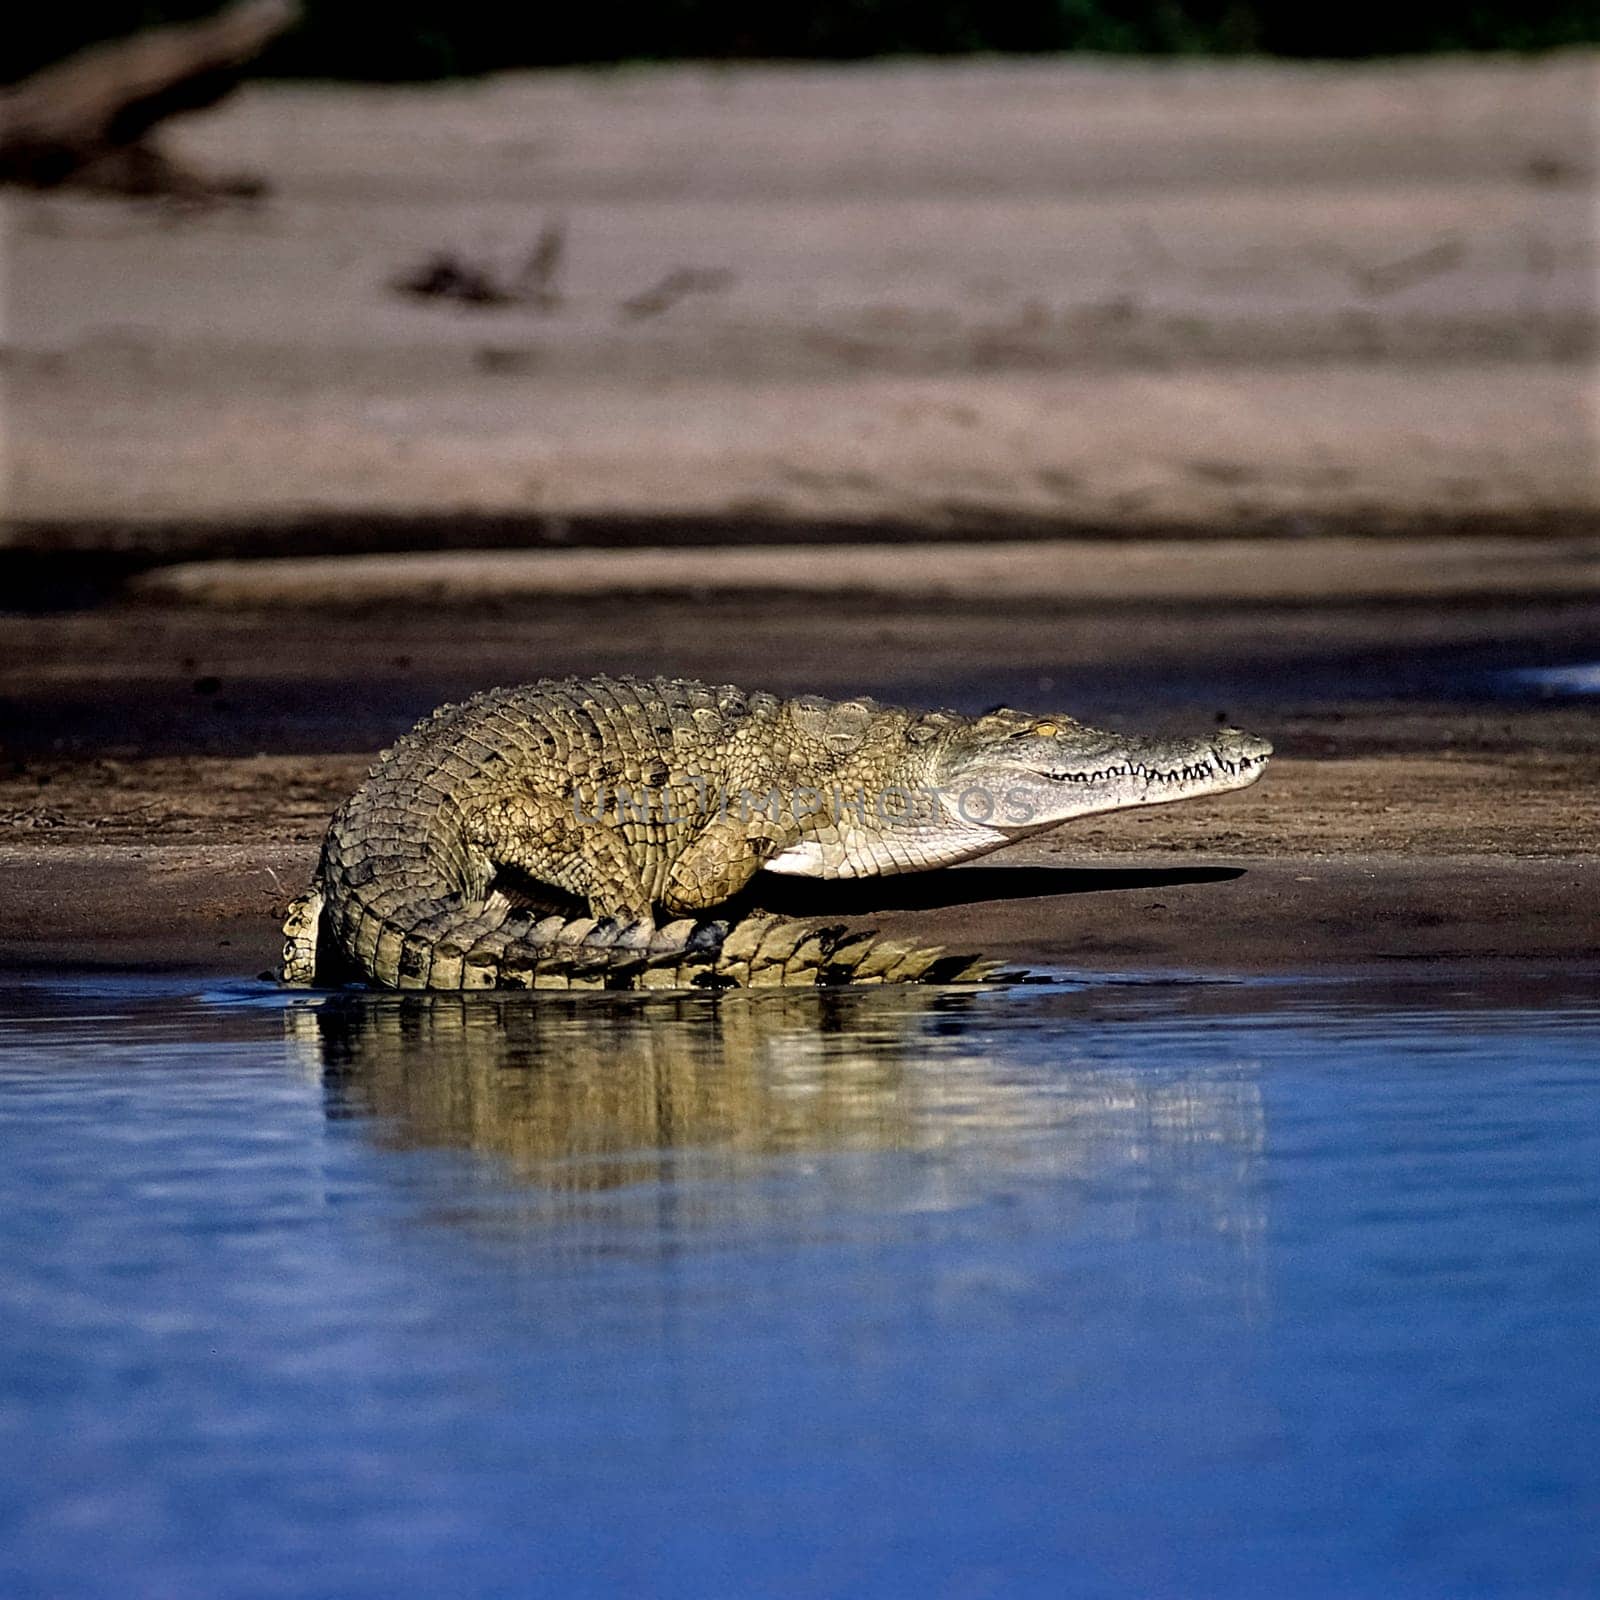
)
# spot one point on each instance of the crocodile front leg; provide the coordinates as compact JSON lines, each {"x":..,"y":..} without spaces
{"x":717,"y":865}
{"x":300,"y":931}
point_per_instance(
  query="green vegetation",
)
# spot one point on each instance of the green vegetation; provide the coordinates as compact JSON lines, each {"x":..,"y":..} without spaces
{"x":431,"y":39}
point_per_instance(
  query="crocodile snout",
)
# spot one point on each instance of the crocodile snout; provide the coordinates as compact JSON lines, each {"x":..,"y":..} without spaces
{"x":1237,"y":744}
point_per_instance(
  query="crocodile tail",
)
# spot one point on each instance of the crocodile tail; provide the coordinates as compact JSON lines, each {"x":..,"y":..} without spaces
{"x":602,"y":953}
{"x":763,"y":951}
{"x":519,"y":951}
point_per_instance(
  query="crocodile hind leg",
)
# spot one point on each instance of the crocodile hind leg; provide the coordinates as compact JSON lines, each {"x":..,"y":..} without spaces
{"x":591,"y":865}
{"x":300,"y":931}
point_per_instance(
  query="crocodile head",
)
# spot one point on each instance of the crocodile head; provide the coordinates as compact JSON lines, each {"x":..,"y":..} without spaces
{"x":1033,"y":772}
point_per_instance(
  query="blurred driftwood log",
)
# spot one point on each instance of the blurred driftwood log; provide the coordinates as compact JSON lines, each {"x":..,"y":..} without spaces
{"x":90,"y":120}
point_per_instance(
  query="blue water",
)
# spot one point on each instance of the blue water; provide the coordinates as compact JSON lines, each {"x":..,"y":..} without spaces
{"x":1188,"y":1289}
{"x":1576,"y":679}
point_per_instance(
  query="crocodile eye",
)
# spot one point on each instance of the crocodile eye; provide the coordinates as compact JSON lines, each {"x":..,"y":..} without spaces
{"x":1044,"y":730}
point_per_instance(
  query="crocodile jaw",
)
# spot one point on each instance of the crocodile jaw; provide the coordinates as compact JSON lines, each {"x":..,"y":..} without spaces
{"x":1084,"y":773}
{"x":992,"y":788}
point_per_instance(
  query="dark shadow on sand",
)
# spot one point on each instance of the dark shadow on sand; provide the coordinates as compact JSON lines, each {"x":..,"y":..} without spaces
{"x":929,"y":891}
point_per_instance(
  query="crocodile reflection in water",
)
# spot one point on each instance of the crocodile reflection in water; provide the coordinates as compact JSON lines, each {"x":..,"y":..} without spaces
{"x":585,"y":1095}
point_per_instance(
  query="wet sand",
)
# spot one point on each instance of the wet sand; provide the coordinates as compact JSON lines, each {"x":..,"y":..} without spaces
{"x":170,"y":769}
{"x":216,"y":909}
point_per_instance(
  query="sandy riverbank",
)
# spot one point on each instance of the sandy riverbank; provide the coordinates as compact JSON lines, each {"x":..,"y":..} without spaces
{"x":1334,"y":326}
{"x":1066,"y":293}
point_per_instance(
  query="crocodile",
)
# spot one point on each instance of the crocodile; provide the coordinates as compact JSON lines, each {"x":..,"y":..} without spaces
{"x":576,"y":832}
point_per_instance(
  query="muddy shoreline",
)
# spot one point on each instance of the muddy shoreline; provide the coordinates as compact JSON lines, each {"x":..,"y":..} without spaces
{"x":215,"y":911}
{"x":168,"y":769}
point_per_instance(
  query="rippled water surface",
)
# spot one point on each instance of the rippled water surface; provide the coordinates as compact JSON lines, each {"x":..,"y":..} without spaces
{"x":1271,"y":1288}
